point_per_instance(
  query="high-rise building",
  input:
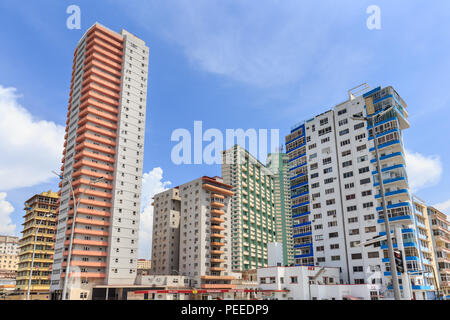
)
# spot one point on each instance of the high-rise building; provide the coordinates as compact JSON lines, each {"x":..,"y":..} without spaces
{"x":252,"y":209}
{"x":278,"y":164}
{"x":104,"y":139}
{"x":166,"y":232}
{"x":193,"y":221}
{"x":335,"y":197}
{"x":39,"y":213}
{"x":9,"y":249}
{"x":441,"y":245}
{"x":418,"y":248}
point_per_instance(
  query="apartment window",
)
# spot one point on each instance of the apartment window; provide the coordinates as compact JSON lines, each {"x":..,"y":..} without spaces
{"x":370,"y":229}
{"x":367,"y":204}
{"x":363,"y":170}
{"x":331,"y":213}
{"x":329,"y":180}
{"x":364,"y":181}
{"x":327,"y":170}
{"x":332,"y":224}
{"x":369,"y":217}
{"x":341,"y":112}
{"x":358,"y":269}
{"x":314,"y":175}
{"x":374,"y":254}
{"x":346,"y":153}
{"x":333,"y":235}
{"x":326,"y":161}
{"x":329,"y":191}
{"x":330,"y":202}
{"x":360,"y":136}
{"x":335,"y":258}
{"x":320,"y":248}
{"x":323,"y":121}
{"x":356,"y":256}
{"x":350,"y":196}
{"x":359,"y":126}
{"x":348,"y":174}
{"x":324,"y":131}
{"x":343,"y":132}
{"x":366,"y":193}
{"x":353,"y":232}
{"x":353,"y":220}
{"x":294,"y":280}
{"x":343,"y":122}
{"x":325,"y":140}
{"x":361,"y":147}
{"x":349,"y":185}
{"x":347,"y":163}
{"x":345,"y":142}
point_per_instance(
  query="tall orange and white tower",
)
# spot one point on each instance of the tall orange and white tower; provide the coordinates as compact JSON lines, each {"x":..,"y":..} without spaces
{"x":104,"y":138}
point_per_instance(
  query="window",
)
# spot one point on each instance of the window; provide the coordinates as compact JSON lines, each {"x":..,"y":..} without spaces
{"x":346,"y":153}
{"x":353,"y":232}
{"x":353,"y":220}
{"x":341,"y":112}
{"x":363,"y":170}
{"x":361,"y":147}
{"x":345,"y":142}
{"x":348,"y":174}
{"x":332,"y":224}
{"x":320,"y":248}
{"x":374,"y":254}
{"x":370,"y":229}
{"x":364,"y":181}
{"x":335,"y":258}
{"x":330,"y":202}
{"x":326,"y":161}
{"x":294,"y":280}
{"x":356,"y":256}
{"x":346,"y":163}
{"x":366,"y":193}
{"x":327,"y":170}
{"x":323,"y":121}
{"x":358,"y":269}
{"x":360,"y":136}
{"x":359,"y":126}
{"x":333,"y":235}
{"x":367,"y":204}
{"x":343,"y":121}
{"x":334,"y":246}
{"x":324,"y":131}
{"x":350,"y":196}
{"x":329,"y":180}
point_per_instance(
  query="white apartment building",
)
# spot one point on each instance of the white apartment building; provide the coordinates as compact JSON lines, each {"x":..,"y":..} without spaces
{"x":337,"y":182}
{"x":193,"y":220}
{"x":310,"y":283}
{"x":104,"y":139}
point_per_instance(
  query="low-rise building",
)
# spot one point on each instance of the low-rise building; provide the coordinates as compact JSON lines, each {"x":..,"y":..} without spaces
{"x":310,"y":283}
{"x":441,"y":244}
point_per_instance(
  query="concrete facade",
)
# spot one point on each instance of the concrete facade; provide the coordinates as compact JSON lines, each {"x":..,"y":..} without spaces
{"x":104,"y":138}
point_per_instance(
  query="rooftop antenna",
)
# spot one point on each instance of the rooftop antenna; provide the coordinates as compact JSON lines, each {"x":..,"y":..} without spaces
{"x":358,"y":90}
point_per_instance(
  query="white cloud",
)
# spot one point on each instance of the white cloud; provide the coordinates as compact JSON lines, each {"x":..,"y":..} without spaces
{"x":423,"y":171}
{"x":262,"y":43}
{"x":443,"y":206}
{"x":30,"y":148}
{"x":152,"y":183}
{"x":6,"y":226}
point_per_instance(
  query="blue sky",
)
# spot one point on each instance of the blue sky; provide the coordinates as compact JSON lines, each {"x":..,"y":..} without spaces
{"x":232,"y":64}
